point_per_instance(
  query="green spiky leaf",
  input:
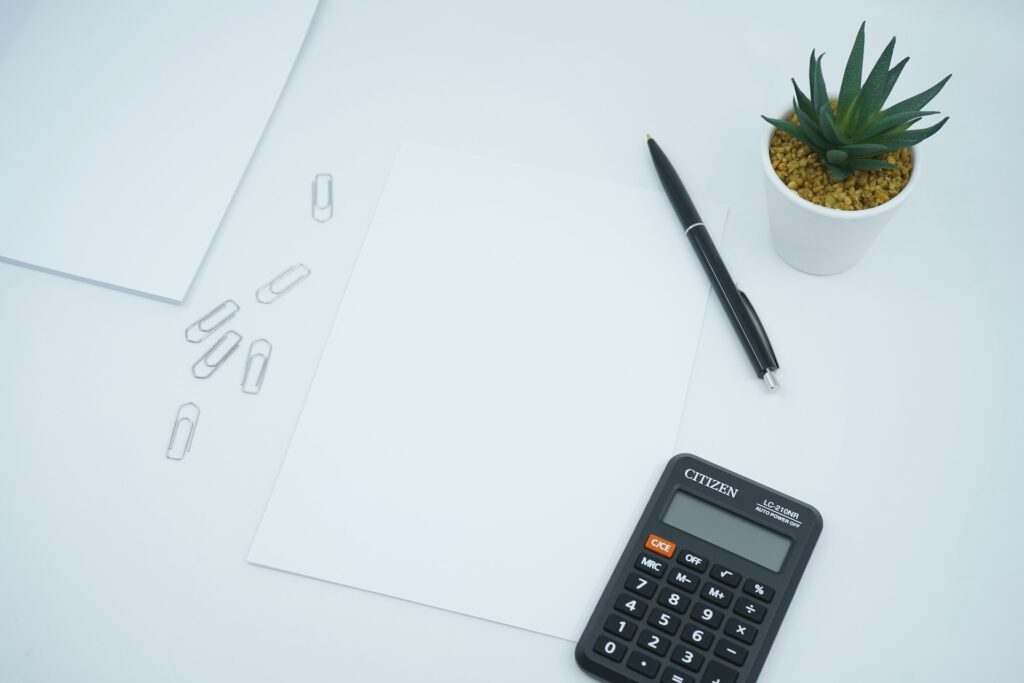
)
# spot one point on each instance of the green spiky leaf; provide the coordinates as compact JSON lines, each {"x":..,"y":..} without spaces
{"x":813,"y":133}
{"x":850,"y":88}
{"x":803,"y":102}
{"x":790,"y":128}
{"x":891,"y":122}
{"x":909,"y":138}
{"x":894,"y":75}
{"x":919,"y":100}
{"x":851,"y":137}
{"x":872,"y":95}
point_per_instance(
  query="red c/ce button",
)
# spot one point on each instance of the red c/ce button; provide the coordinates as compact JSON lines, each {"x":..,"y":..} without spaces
{"x":657,"y":544}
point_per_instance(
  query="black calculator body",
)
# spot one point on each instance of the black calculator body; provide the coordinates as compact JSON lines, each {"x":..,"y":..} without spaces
{"x":704,"y":583}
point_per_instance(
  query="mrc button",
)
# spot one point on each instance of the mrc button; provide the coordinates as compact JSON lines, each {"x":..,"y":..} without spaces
{"x":657,"y":544}
{"x":651,"y":564}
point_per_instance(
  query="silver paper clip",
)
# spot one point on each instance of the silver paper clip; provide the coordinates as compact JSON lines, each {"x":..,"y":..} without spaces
{"x":323,"y":197}
{"x":281,"y":284}
{"x":179,"y":446}
{"x":218,"y":353}
{"x":256,"y":366}
{"x":208,"y":324}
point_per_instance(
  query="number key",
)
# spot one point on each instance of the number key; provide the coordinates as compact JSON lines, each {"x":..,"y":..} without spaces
{"x":751,"y":610}
{"x":651,"y":564}
{"x":649,"y":640}
{"x":674,"y":600}
{"x":664,"y":621}
{"x":707,"y":615}
{"x":698,"y":636}
{"x":745,"y":633}
{"x":726,"y":576}
{"x":631,"y":606}
{"x":716,"y":594}
{"x":640,"y":585}
{"x":620,"y":627}
{"x":606,"y":647}
{"x":687,"y":657}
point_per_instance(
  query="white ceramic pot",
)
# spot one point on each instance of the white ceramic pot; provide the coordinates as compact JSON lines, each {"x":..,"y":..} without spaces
{"x":817,"y":239}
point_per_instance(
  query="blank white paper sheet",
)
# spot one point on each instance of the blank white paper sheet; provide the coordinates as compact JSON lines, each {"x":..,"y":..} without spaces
{"x":501,"y":389}
{"x":126,"y":127}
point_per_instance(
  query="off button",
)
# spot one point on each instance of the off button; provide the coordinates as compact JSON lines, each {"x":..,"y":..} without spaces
{"x":657,"y":544}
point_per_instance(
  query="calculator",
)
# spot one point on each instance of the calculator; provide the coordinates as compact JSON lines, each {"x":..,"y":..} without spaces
{"x":704,"y":583}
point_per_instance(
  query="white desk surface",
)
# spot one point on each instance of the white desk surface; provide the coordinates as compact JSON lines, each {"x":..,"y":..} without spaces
{"x":900,"y":417}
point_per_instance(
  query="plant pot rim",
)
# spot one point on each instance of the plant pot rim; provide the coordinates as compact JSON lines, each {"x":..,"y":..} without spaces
{"x":840,"y":214}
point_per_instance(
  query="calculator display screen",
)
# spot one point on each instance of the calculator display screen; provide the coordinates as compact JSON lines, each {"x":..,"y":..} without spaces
{"x":728,"y":531}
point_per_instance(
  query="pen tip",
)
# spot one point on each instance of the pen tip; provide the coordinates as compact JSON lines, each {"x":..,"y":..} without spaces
{"x":647,"y":137}
{"x":771,"y":380}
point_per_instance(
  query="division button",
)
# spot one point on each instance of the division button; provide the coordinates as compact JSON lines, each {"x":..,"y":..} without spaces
{"x":643,"y":664}
{"x":750,"y":610}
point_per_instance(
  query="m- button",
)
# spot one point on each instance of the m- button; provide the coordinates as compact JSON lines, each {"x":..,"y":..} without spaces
{"x":657,"y":544}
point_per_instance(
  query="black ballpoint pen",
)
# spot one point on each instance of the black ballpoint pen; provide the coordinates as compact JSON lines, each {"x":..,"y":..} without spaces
{"x":744,"y":319}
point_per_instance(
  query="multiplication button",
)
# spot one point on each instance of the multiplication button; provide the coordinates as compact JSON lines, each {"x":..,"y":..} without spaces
{"x":745,"y":633}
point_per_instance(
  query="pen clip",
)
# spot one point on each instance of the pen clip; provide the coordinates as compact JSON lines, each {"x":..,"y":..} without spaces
{"x":762,"y":336}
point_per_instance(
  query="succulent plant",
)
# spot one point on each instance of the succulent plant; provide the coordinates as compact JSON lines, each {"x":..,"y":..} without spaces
{"x":852,"y":136}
